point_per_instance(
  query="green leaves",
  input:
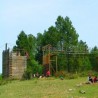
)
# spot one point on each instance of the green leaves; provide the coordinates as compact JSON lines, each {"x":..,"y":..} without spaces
{"x":22,"y":41}
{"x":61,"y":36}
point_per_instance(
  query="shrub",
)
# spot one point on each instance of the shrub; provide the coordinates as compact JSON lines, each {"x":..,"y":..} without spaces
{"x":86,"y":73}
{"x":0,"y":76}
{"x":60,"y":73}
{"x":26,"y":75}
{"x":66,"y":75}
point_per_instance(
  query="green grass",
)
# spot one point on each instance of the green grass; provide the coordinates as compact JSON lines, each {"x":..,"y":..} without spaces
{"x":48,"y":88}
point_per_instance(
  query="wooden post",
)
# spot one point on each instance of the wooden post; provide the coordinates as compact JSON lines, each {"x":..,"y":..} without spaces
{"x":43,"y":57}
{"x":56,"y":64}
{"x":49,"y":61}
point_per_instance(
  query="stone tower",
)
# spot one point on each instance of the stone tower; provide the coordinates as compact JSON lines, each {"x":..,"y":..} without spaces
{"x":13,"y":64}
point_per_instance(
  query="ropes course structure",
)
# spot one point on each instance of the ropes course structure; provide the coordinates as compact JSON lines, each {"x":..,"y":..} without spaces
{"x":50,"y":54}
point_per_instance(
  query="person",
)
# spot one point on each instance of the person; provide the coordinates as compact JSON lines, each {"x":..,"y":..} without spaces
{"x":90,"y":79}
{"x":37,"y":75}
{"x":48,"y":73}
{"x":95,"y":79}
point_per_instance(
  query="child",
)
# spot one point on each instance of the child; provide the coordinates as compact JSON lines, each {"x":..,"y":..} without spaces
{"x":48,"y":73}
{"x":95,"y":79}
{"x":90,"y":79}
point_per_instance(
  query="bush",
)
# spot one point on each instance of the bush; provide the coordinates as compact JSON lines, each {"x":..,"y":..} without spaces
{"x":0,"y":76}
{"x":37,"y":68}
{"x":66,"y":75}
{"x":86,"y":73}
{"x":26,"y":75}
{"x":60,"y":74}
{"x":71,"y":76}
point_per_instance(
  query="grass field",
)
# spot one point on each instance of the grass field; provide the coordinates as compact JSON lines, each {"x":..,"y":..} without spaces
{"x":49,"y":88}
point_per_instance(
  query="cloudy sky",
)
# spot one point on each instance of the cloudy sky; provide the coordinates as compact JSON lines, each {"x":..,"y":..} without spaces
{"x":35,"y":16}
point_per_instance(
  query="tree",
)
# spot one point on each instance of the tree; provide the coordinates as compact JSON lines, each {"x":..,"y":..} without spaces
{"x":39,"y":42}
{"x":64,"y":37}
{"x":31,"y":46}
{"x":66,"y":31}
{"x":26,"y":45}
{"x":51,"y":36}
{"x":81,"y":57}
{"x":94,"y":58}
{"x":68,"y":36}
{"x":61,"y":36}
{"x":21,"y":43}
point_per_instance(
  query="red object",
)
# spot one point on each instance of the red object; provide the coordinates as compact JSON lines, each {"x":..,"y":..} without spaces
{"x":48,"y":73}
{"x":95,"y":79}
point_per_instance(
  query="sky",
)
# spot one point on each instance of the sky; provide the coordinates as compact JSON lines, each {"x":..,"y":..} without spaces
{"x":34,"y":16}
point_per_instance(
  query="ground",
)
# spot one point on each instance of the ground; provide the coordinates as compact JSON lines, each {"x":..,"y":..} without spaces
{"x":49,"y":88}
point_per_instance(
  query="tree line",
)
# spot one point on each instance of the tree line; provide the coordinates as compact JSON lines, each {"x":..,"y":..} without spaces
{"x":77,"y":57}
